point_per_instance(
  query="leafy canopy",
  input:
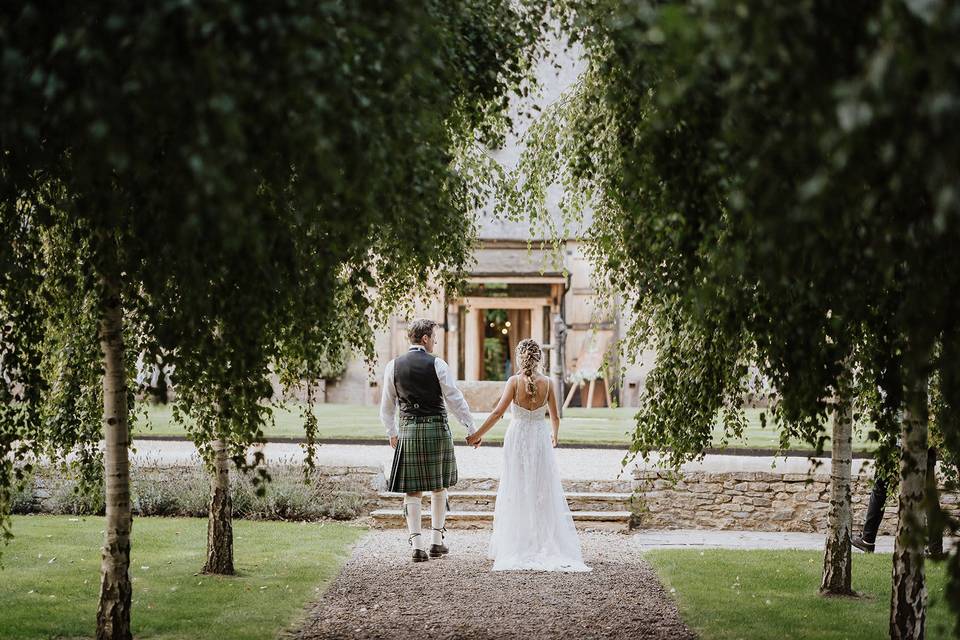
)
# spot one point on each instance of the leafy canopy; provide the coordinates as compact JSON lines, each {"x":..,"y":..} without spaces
{"x":248,"y":173}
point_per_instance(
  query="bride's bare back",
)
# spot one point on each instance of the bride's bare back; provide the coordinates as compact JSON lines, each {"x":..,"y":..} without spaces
{"x":522,"y":395}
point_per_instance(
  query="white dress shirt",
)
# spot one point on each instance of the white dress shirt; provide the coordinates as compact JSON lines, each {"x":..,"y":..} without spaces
{"x":456,"y":404}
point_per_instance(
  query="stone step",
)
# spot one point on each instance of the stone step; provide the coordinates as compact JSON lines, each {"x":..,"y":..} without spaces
{"x":486,"y":500}
{"x":570,"y":486}
{"x":614,"y":520}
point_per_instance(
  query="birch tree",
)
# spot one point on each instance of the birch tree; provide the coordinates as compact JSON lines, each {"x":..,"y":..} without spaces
{"x":771,"y":183}
{"x":219,"y":176}
{"x":837,"y":558}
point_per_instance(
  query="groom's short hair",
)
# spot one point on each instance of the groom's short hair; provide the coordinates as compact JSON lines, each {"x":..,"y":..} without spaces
{"x":420,"y":328}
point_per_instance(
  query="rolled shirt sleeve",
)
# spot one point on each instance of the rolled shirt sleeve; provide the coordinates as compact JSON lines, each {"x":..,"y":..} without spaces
{"x":388,"y":402}
{"x":456,"y":403}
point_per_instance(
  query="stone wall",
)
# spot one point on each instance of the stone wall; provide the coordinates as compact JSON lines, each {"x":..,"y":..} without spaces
{"x":481,"y":395}
{"x":354,"y":386}
{"x":758,"y":501}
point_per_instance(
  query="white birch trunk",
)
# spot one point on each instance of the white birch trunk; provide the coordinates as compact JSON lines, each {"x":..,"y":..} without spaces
{"x":220,"y":521}
{"x":908,"y":598}
{"x":113,"y":612}
{"x":837,"y":569}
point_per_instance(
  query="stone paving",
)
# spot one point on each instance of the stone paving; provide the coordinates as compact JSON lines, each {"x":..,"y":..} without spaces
{"x":575,"y":464}
{"x":703,"y":539}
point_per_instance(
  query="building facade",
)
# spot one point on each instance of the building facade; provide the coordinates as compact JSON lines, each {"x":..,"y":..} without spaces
{"x":520,"y":287}
{"x":516,"y":290}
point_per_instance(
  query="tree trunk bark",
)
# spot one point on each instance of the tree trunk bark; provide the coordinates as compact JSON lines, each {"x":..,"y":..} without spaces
{"x":837,"y":571}
{"x":909,"y":596}
{"x":113,"y":612}
{"x":220,"y":522}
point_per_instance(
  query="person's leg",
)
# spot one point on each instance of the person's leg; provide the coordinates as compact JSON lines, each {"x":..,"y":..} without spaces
{"x":411,"y":509}
{"x":438,"y":517}
{"x":871,"y":525}
{"x":935,"y":542}
{"x":878,"y":499}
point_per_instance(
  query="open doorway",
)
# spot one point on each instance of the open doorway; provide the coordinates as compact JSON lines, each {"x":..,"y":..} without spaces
{"x":502,"y":330}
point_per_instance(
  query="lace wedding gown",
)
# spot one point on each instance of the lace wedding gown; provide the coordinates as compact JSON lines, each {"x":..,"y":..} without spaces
{"x":532,"y":526}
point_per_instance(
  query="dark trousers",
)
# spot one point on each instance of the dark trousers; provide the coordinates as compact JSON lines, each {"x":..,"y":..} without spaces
{"x":934,"y":518}
{"x":878,"y":498}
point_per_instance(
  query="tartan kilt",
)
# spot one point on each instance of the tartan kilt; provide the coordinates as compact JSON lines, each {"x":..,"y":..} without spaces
{"x":423,"y":459}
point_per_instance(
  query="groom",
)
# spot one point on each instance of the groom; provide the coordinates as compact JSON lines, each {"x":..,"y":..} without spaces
{"x":419,"y":383}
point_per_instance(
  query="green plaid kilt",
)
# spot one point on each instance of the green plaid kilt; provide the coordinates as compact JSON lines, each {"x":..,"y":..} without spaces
{"x":423,"y":459}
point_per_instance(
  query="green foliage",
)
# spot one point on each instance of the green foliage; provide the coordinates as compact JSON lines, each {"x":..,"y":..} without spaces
{"x":771,"y":188}
{"x":261,"y":182}
{"x":170,"y":493}
{"x":729,"y":154}
{"x":185,"y":492}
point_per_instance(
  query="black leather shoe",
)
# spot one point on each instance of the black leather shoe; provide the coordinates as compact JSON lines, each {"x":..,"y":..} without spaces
{"x":860,"y":543}
{"x":439,"y":550}
{"x":419,"y":555}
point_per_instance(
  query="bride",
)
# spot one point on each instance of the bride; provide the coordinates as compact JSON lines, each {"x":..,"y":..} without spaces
{"x":532,"y":526}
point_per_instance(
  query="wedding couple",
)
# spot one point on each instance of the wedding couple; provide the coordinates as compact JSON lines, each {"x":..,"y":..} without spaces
{"x":532,"y":526}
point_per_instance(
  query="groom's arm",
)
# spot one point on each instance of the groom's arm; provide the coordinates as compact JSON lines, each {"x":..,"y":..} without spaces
{"x":388,"y":403}
{"x":456,"y":403}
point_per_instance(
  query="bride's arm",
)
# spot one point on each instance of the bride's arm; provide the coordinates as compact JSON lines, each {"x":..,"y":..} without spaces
{"x":554,"y":413}
{"x":497,"y":412}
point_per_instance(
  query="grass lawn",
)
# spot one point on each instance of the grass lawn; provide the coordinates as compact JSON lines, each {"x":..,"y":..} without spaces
{"x":733,"y":595}
{"x":579,"y":426}
{"x":49,"y":584}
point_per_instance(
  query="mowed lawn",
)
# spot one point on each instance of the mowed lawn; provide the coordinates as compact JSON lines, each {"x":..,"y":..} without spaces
{"x":579,"y":426}
{"x":734,"y":595}
{"x":49,"y":583}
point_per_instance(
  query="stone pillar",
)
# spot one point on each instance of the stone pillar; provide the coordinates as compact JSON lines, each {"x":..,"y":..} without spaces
{"x":557,"y":373}
{"x":471,"y":350}
{"x":536,"y":324}
{"x":452,"y":342}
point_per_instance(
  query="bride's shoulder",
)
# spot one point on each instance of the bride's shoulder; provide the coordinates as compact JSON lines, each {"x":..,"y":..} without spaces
{"x":545,"y":383}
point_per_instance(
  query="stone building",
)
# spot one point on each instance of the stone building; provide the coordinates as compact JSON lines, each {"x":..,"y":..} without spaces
{"x":514,"y":291}
{"x":517,"y":290}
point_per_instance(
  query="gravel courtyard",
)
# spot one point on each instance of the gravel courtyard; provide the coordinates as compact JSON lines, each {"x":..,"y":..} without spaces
{"x":381,"y":594}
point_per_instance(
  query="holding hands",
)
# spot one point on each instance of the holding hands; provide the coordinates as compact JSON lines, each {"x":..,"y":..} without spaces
{"x":474,"y":439}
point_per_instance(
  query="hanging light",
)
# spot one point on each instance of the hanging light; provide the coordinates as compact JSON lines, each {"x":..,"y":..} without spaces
{"x":504,"y":331}
{"x":507,"y":323}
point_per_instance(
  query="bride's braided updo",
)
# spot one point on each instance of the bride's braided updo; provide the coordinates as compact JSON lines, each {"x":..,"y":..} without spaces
{"x":529,"y":357}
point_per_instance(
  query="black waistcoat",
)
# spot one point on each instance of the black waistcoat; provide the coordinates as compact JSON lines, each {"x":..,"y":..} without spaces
{"x":418,"y":390}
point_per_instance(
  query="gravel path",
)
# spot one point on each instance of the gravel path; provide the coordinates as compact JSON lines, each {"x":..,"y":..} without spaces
{"x":381,"y":594}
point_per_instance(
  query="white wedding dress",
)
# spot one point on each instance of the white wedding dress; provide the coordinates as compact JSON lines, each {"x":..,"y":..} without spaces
{"x":532,"y":526}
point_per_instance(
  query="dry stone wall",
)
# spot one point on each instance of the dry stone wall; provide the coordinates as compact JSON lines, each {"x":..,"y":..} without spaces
{"x":757,"y":501}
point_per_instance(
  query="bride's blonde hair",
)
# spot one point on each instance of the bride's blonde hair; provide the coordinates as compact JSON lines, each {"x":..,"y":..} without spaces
{"x":529,"y":357}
